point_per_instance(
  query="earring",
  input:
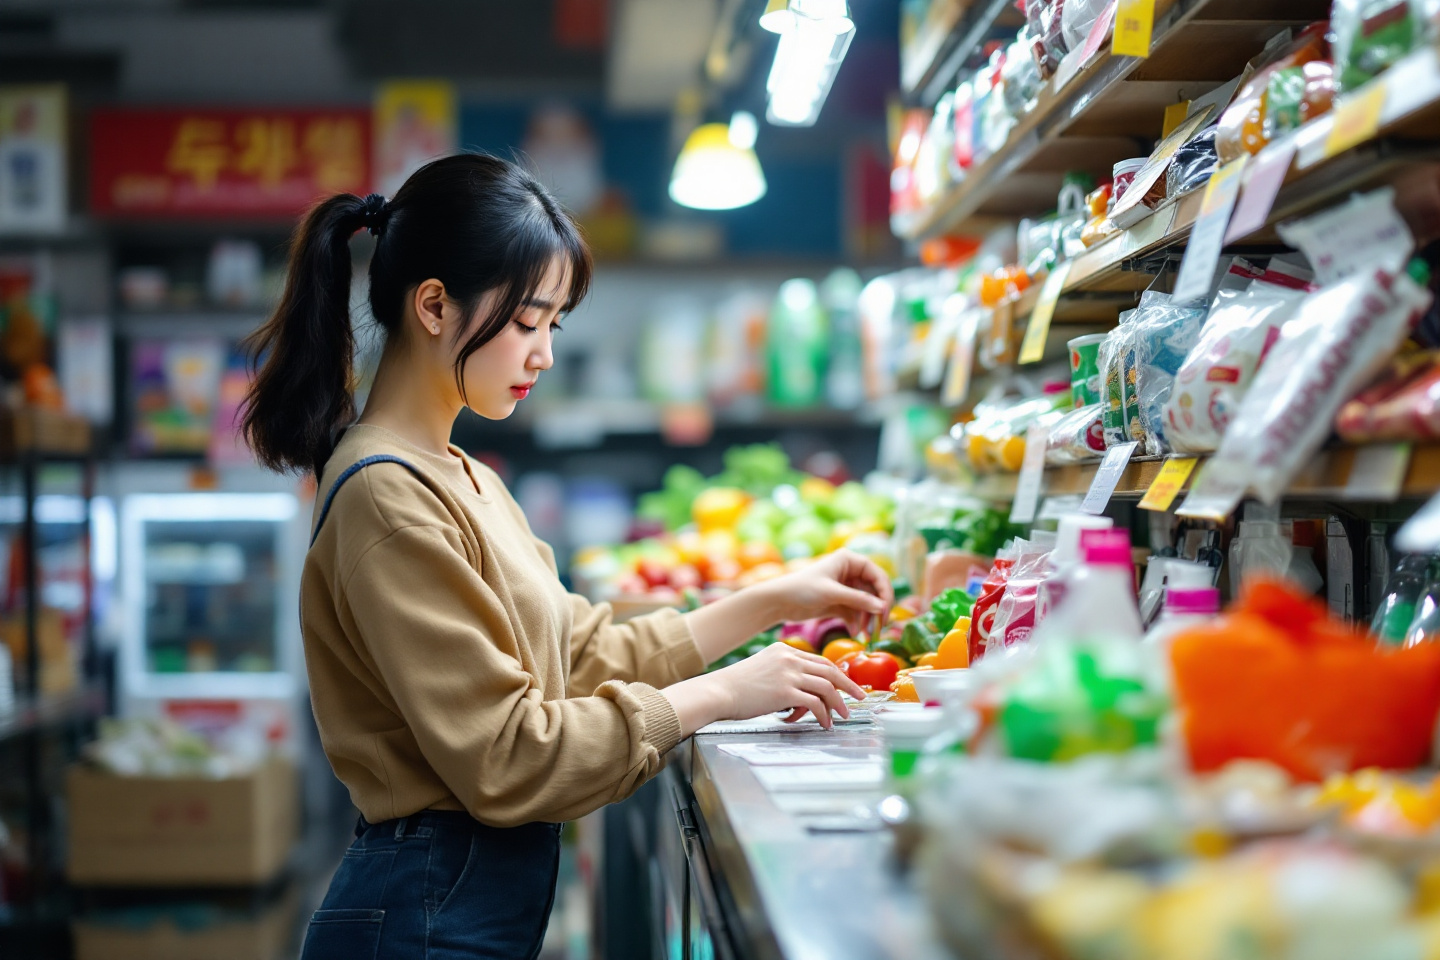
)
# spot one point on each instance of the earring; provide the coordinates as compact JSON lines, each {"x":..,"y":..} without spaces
{"x":434,"y":330}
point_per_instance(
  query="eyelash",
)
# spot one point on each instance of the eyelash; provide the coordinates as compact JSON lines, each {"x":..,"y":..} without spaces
{"x":554,"y":327}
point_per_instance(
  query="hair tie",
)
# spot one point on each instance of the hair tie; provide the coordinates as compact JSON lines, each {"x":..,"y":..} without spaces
{"x":375,"y":211}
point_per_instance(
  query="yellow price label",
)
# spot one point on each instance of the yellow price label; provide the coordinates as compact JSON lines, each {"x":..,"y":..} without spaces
{"x":1175,"y":115}
{"x":1168,"y":483}
{"x":1357,"y":118}
{"x":1037,"y":331}
{"x":1134,"y":23}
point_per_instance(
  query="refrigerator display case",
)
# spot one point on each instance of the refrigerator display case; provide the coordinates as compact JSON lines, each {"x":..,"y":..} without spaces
{"x":210,"y":583}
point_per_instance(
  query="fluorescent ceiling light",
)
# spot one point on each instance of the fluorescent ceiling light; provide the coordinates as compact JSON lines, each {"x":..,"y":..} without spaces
{"x":812,"y":46}
{"x":743,"y":130}
{"x":777,"y":16}
{"x":714,"y":173}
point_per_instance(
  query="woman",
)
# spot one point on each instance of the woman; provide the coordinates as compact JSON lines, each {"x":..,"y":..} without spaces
{"x":466,"y":700}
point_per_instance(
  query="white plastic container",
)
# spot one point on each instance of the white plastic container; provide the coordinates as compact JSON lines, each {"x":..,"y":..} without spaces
{"x":1184,"y":607}
{"x":1065,"y":559}
{"x":1099,"y":601}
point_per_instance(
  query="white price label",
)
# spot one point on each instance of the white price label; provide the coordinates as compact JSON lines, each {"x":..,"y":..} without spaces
{"x":1202,"y":253}
{"x":1032,"y":474}
{"x":1378,"y":472}
{"x":1107,"y":477}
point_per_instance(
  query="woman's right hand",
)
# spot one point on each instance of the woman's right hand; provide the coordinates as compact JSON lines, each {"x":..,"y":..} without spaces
{"x":777,"y":678}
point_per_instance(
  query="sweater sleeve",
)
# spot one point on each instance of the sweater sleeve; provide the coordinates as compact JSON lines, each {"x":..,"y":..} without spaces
{"x":429,"y":623}
{"x":656,"y":649}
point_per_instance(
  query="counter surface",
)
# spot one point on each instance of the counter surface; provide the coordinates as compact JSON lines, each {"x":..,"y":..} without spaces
{"x":802,"y":894}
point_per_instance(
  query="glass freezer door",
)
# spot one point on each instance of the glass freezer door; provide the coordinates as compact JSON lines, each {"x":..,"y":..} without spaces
{"x":210,"y":595}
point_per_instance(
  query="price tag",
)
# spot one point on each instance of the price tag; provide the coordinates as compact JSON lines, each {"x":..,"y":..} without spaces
{"x":1356,"y":119}
{"x":1175,"y":115}
{"x":1215,"y":493}
{"x":1075,"y":59}
{"x":1378,"y":472}
{"x":1134,"y":22}
{"x":1151,"y":230}
{"x":1032,"y":474}
{"x":1037,"y":331}
{"x":1168,"y":483}
{"x":1207,"y":238}
{"x":1107,"y":477}
{"x":962,"y":360}
{"x":1267,"y":174}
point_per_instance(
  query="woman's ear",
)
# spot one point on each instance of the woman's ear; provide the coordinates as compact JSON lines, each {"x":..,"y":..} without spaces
{"x":429,"y":301}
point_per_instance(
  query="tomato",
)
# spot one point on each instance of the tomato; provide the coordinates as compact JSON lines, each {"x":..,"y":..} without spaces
{"x":874,"y":670}
{"x":799,"y":643}
{"x":654,"y":572}
{"x":954,"y":649}
{"x":836,"y":649}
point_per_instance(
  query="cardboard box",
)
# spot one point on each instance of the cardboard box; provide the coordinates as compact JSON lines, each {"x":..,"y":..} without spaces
{"x":156,"y":831}
{"x":212,"y":935}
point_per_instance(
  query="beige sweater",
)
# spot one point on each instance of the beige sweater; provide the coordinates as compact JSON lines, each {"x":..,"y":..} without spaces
{"x":449,"y":668}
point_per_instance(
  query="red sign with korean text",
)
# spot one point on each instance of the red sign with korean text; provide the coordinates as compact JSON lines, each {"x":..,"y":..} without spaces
{"x":243,"y":164}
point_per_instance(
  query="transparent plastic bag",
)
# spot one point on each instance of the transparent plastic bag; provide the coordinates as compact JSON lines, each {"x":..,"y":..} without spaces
{"x":1164,"y":335}
{"x":1078,"y":18}
{"x":1079,"y":437}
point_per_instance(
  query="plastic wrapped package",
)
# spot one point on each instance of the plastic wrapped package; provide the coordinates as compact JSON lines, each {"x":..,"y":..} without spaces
{"x":1021,"y":75}
{"x":1015,"y":613}
{"x":962,"y":137}
{"x":1097,"y":205}
{"x":1371,"y":35}
{"x":992,"y":120}
{"x":1240,"y":331}
{"x":995,"y":439}
{"x":1242,"y":125}
{"x":1193,"y":163}
{"x":1339,"y":338}
{"x":1296,"y":95}
{"x":982,"y":615}
{"x":1044,"y":19}
{"x":1403,"y":404}
{"x":1078,"y":437}
{"x":932,"y":159}
{"x":1164,"y":334}
{"x":1112,"y":381}
{"x":1078,"y":18}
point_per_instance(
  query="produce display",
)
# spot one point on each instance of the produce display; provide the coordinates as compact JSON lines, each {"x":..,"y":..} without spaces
{"x":746,"y":524}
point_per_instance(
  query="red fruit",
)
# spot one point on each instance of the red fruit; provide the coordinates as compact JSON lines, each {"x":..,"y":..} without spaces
{"x":874,"y":670}
{"x":653,"y":572}
{"x":685,"y":577}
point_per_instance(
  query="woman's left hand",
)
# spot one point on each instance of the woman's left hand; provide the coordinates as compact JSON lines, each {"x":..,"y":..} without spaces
{"x":843,"y":584}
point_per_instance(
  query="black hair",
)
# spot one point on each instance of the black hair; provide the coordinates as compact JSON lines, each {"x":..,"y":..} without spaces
{"x":474,"y":222}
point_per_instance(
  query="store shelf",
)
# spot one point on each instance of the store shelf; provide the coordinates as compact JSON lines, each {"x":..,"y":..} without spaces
{"x":1110,"y":275}
{"x":1325,"y":477}
{"x":41,"y":432}
{"x":1111,"y":110}
{"x":954,"y":33}
{"x":51,"y":711}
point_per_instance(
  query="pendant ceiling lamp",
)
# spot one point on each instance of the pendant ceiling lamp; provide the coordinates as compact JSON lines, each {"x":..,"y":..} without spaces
{"x":717,"y":168}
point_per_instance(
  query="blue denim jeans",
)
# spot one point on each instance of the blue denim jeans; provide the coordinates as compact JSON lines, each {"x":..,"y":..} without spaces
{"x":438,"y":885}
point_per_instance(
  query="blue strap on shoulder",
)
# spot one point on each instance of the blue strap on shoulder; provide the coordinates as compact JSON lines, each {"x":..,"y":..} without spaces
{"x":350,"y":471}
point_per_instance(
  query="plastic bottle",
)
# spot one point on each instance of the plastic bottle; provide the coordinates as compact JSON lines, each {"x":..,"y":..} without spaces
{"x":798,"y":347}
{"x":1064,"y":558}
{"x":845,"y":382}
{"x":1184,"y":607}
{"x":1099,"y":601}
{"x":1394,"y":617}
{"x":1258,"y":546}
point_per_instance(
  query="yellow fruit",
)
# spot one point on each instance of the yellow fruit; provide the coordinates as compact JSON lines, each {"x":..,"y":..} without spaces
{"x":816,"y":490}
{"x":690,"y":547}
{"x":719,"y":543}
{"x":904,"y":690}
{"x":926,"y":659}
{"x":841,"y":647}
{"x":719,"y":508}
{"x":756,"y":552}
{"x":900,"y":613}
{"x":955,"y":647}
{"x":1012,"y":453}
{"x":840,"y":535}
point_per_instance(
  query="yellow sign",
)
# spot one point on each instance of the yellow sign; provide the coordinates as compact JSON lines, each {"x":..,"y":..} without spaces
{"x":415,"y":122}
{"x":1357,"y":118}
{"x":1168,"y":483}
{"x":1175,"y":115}
{"x":1037,"y":331}
{"x":1134,"y":23}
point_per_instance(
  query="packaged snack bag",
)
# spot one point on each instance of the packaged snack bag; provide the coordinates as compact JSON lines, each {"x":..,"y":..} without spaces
{"x":1242,"y":327}
{"x":1403,"y":404}
{"x":1015,"y":613}
{"x":1078,"y":438}
{"x":1370,"y":35}
{"x":982,"y":616}
{"x":1112,"y":380}
{"x":1242,"y":125}
{"x":1336,"y":342}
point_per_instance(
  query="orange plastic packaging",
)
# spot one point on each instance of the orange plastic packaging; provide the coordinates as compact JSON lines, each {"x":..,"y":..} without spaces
{"x":1242,"y":126}
{"x":1278,"y":679}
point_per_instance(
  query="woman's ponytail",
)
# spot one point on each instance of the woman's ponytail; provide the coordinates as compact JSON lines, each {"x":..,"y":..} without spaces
{"x":301,"y":395}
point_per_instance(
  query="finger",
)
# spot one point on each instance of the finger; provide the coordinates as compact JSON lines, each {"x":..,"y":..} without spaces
{"x":828,"y":693}
{"x":816,"y":706}
{"x":842,"y":597}
{"x":836,"y":677}
{"x":795,"y":714}
{"x":867,"y":573}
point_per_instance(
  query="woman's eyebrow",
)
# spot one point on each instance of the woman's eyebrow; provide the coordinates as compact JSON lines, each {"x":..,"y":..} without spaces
{"x":538,"y":303}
